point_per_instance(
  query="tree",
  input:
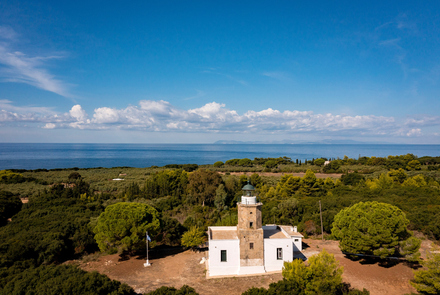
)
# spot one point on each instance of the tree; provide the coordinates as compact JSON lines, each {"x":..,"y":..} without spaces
{"x":193,"y":238}
{"x":322,"y":276}
{"x":288,"y":210}
{"x":7,"y":176}
{"x":319,"y":162}
{"x":326,"y":275}
{"x":352,"y":178}
{"x":62,"y":280}
{"x":164,"y":290}
{"x":74,"y":176}
{"x":427,"y":280}
{"x":332,"y":167}
{"x":9,"y":206}
{"x":221,"y":197}
{"x":416,"y":181}
{"x":245,"y":162}
{"x":270,"y":164}
{"x":256,"y":180}
{"x":398,"y":175}
{"x":122,"y":226}
{"x":413,"y":165}
{"x":218,"y":164}
{"x":372,"y":228}
{"x":202,"y":185}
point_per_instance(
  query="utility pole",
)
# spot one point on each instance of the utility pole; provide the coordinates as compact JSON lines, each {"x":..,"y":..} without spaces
{"x":322,"y":228}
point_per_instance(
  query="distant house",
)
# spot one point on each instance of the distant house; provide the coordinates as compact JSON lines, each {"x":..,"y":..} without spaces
{"x":250,"y":247}
{"x":326,"y":162}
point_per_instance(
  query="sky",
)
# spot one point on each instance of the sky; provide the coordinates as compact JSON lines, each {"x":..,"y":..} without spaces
{"x":202,"y":71}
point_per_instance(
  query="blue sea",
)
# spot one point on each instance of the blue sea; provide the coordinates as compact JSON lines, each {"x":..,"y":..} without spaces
{"x":52,"y":155}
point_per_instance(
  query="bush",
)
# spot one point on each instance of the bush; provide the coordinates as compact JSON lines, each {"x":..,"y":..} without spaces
{"x":352,"y":178}
{"x":122,"y":226}
{"x":185,"y":290}
{"x":193,"y":238}
{"x":60,"y":280}
{"x":427,"y":281}
{"x":9,"y":206}
{"x":372,"y":228}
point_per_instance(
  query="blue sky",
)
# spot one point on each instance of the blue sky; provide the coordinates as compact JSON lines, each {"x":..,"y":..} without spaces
{"x":201,"y":71}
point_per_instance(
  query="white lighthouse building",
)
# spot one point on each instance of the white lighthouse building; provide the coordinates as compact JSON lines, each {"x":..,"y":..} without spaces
{"x":250,"y":247}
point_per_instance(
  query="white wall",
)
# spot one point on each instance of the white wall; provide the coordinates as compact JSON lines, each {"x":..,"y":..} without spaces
{"x":232,"y":265}
{"x":297,"y":244}
{"x":271,"y":263}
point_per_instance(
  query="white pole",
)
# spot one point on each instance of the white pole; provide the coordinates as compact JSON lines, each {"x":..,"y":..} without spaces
{"x":146,"y":239}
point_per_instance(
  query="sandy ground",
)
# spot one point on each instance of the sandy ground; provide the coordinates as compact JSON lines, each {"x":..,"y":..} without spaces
{"x":174,"y":268}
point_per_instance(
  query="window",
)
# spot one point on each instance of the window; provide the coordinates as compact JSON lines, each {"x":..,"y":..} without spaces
{"x":250,"y":212}
{"x":223,"y":255}
{"x":251,"y":224}
{"x":279,"y":253}
{"x":251,"y":245}
{"x":296,"y":240}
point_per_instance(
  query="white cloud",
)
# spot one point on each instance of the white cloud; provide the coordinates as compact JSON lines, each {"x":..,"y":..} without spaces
{"x":8,"y":106}
{"x":78,"y":113}
{"x":7,"y":32}
{"x":214,"y":111}
{"x":105,"y":115}
{"x":21,"y":68}
{"x":414,"y":132}
{"x":423,"y":121}
{"x":49,"y":126}
{"x":161,"y":116}
{"x":282,"y":76}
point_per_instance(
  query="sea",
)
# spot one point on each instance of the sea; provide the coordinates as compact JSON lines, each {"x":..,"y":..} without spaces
{"x":32,"y":156}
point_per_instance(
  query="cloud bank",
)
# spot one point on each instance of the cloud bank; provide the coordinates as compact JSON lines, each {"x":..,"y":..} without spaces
{"x":213,"y":117}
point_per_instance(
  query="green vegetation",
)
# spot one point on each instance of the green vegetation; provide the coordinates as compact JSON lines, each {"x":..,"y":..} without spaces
{"x":202,"y":185}
{"x":9,"y":206}
{"x":322,"y":275}
{"x":375,"y":228}
{"x":122,"y":227}
{"x":184,"y":290}
{"x":427,"y":280}
{"x":60,"y":280}
{"x":193,"y":237}
{"x":65,"y":205}
{"x":51,"y":228}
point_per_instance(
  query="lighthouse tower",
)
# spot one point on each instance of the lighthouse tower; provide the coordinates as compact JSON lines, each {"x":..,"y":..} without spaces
{"x":250,"y":232}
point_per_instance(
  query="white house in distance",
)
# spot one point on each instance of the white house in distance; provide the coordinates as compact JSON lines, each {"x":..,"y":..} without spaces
{"x":250,"y":247}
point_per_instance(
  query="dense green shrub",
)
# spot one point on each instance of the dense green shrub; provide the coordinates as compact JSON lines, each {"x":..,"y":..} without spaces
{"x":322,"y":276}
{"x":184,"y":290}
{"x":352,"y":178}
{"x":9,"y":206}
{"x":202,"y":185}
{"x":427,"y":280}
{"x":51,"y":228}
{"x":374,"y":228}
{"x":60,"y":280}
{"x":122,"y":226}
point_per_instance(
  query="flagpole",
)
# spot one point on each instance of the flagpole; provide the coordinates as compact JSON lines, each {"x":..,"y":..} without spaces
{"x":146,"y":239}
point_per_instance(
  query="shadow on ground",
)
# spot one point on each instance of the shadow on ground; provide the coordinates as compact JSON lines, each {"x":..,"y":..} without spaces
{"x":382,"y":262}
{"x":154,"y":253}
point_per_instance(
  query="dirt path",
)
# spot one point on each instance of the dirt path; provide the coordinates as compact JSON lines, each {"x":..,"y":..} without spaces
{"x":180,"y":268}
